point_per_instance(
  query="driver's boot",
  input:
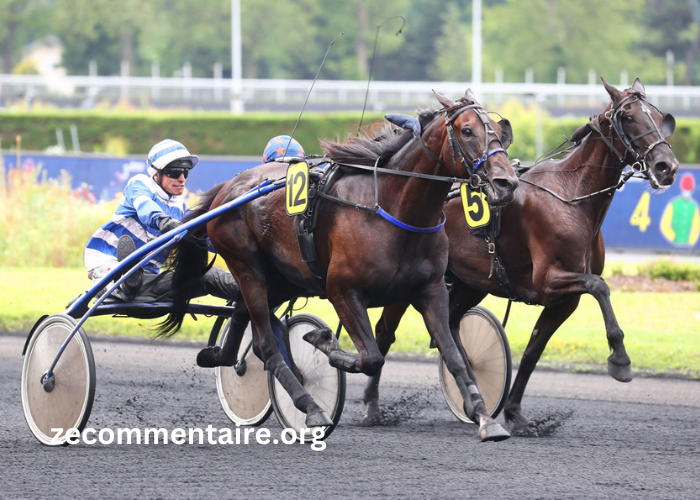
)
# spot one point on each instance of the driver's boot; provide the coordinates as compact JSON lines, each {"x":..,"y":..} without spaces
{"x":130,"y":287}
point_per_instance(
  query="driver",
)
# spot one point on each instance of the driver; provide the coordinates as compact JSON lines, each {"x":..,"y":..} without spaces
{"x":150,"y":206}
{"x":277,"y":146}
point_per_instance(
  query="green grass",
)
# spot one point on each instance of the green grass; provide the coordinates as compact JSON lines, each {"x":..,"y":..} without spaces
{"x":662,"y":329}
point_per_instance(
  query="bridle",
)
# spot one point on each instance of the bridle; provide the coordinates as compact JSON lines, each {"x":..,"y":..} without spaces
{"x":470,"y":165}
{"x":639,"y":165}
{"x":473,"y":165}
{"x":614,"y":117}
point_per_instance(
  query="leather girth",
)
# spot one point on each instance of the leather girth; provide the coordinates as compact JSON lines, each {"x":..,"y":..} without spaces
{"x":490,"y":233}
{"x":305,"y":224}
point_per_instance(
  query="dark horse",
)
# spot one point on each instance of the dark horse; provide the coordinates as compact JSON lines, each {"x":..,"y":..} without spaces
{"x":368,"y":261}
{"x":553,"y":249}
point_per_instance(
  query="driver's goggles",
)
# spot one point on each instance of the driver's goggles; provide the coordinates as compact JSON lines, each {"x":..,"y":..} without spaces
{"x":176,"y":172}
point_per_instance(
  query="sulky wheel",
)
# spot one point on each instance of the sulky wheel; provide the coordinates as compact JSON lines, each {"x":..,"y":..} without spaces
{"x":242,"y":388}
{"x":485,"y":342}
{"x":325,"y":384}
{"x":69,"y":403}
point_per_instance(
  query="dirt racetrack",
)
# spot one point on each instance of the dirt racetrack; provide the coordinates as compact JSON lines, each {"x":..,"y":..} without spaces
{"x":639,"y":440}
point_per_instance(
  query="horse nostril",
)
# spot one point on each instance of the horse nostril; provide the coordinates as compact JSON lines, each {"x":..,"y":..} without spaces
{"x":662,"y":168}
{"x":503,"y":185}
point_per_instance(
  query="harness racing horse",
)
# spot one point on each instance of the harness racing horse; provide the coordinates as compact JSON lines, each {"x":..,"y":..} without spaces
{"x":550,"y":242}
{"x":368,"y":260}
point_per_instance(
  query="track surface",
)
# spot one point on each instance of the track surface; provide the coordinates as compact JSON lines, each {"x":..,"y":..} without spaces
{"x":640,"y":440}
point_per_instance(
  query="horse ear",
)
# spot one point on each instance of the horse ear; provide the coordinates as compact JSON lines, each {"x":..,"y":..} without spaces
{"x":445,"y":101}
{"x":506,"y":133}
{"x":668,"y":125}
{"x":469,"y":96}
{"x":615,"y":95}
{"x":638,"y":87}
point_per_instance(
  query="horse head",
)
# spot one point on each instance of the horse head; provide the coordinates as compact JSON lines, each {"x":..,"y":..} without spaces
{"x":478,"y":144}
{"x":642,"y":128}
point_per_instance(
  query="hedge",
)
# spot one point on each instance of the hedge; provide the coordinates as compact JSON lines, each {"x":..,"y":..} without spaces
{"x":203,"y":133}
{"x":225,"y":134}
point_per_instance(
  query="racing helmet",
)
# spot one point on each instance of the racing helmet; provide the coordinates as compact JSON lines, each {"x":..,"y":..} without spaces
{"x":276,"y":147}
{"x":166,"y":152}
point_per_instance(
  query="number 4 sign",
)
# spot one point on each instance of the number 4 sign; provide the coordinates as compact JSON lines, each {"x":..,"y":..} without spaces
{"x":297,"y":188}
{"x":640,"y":216}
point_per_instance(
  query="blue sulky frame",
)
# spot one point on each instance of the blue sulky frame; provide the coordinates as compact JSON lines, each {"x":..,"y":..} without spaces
{"x":80,"y":307}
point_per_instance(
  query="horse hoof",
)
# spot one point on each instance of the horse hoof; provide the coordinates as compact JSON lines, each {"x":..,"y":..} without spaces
{"x":373,"y":415}
{"x":492,"y":431}
{"x":621,"y":373}
{"x":207,"y":357}
{"x":210,"y":357}
{"x":322,"y":339}
{"x":318,"y":419}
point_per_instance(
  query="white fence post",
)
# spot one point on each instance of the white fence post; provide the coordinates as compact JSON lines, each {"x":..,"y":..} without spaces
{"x":187,"y":76}
{"x":155,"y":76}
{"x":591,"y":83}
{"x":124,"y":94}
{"x":624,"y":79}
{"x":561,"y":80}
{"x":499,"y":80}
{"x":218,"y":75}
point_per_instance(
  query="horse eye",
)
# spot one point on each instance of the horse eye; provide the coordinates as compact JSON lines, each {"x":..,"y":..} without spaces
{"x":466,"y":131}
{"x":629,"y":118}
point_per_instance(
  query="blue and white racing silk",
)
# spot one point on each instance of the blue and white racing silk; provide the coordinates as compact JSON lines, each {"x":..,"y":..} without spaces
{"x":142,"y":204}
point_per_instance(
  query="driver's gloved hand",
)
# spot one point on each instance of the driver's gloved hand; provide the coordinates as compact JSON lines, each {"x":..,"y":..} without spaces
{"x":167,"y":223}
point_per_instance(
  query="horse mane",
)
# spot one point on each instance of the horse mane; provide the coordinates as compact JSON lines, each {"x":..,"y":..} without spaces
{"x":377,"y":142}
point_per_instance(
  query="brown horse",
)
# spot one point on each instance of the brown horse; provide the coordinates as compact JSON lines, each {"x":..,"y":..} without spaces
{"x":368,"y":261}
{"x":552,"y":248}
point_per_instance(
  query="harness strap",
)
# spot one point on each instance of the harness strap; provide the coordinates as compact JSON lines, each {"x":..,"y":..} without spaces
{"x":405,"y":174}
{"x":414,"y":229}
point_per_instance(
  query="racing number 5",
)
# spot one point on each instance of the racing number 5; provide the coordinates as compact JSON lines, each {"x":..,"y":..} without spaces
{"x":476,"y":208}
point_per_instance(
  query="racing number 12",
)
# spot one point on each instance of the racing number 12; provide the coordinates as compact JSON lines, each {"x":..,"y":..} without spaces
{"x":297,"y":188}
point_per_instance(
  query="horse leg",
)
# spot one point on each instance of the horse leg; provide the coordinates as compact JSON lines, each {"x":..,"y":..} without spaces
{"x":353,"y":316}
{"x":549,"y":321}
{"x":265,"y":347}
{"x":433,"y":306}
{"x":619,"y":363}
{"x":560,"y":284}
{"x":214,"y":356}
{"x":385,"y":333}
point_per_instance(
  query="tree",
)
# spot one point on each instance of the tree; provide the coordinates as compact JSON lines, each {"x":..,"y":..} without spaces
{"x":102,"y":30}
{"x":453,"y":47}
{"x":20,"y":22}
{"x":548,"y":34}
{"x":674,"y":25}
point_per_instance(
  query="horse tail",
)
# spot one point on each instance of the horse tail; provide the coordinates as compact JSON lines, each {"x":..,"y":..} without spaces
{"x":188,"y":261}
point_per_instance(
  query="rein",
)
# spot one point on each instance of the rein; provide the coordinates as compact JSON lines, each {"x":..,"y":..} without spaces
{"x":471,"y":166}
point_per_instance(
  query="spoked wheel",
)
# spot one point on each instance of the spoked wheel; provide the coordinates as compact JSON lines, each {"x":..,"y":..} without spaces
{"x":325,"y":384}
{"x":69,"y":403}
{"x":242,"y":388}
{"x":485,"y":342}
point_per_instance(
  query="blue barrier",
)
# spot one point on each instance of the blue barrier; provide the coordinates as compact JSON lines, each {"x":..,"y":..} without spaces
{"x":639,"y":218}
{"x":104,"y":177}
